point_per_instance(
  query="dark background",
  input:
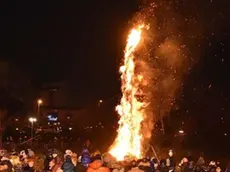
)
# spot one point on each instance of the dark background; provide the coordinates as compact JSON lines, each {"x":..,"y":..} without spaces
{"x":83,"y":42}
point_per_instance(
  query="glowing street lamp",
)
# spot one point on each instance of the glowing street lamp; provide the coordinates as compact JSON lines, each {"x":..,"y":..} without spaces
{"x":100,"y":102}
{"x":32,"y":121}
{"x":181,"y":131}
{"x":39,"y":103}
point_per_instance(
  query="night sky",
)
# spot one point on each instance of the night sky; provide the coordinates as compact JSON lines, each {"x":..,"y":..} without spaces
{"x":80,"y":40}
{"x":83,"y":42}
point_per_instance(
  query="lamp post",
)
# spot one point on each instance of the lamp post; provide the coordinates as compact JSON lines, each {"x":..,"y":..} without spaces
{"x":39,"y":103}
{"x":181,"y":132}
{"x":100,"y":102}
{"x":32,"y":121}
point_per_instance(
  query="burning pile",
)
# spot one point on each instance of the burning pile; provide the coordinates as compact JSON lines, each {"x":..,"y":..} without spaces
{"x":129,"y":138}
{"x":154,"y":63}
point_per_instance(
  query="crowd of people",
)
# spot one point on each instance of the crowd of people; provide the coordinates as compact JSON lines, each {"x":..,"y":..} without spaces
{"x":54,"y":161}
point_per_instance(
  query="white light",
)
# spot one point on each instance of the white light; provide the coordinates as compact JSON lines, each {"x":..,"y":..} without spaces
{"x":32,"y":120}
{"x":17,"y":129}
{"x":100,"y":101}
{"x":39,"y":101}
{"x":70,"y":128}
{"x":16,"y":119}
{"x":181,"y":131}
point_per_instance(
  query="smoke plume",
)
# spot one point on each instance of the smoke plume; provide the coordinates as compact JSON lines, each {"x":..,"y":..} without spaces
{"x":163,"y":61}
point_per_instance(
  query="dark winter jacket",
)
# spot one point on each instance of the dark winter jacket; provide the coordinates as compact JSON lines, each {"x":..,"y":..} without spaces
{"x":187,"y":167}
{"x":68,"y":166}
{"x":172,"y":161}
{"x":48,"y":158}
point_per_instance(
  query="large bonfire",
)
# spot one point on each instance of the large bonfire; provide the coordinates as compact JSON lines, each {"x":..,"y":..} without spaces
{"x":129,"y":138}
{"x":150,"y":79}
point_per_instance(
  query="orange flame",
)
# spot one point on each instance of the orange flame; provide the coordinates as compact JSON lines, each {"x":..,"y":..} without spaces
{"x":129,"y":138}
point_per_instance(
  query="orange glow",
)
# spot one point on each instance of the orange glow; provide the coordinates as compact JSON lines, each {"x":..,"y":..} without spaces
{"x":39,"y":101}
{"x":129,"y":139}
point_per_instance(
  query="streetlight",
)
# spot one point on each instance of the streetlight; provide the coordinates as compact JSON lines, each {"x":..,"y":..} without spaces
{"x":32,"y":121}
{"x":39,"y":103}
{"x":100,"y":102}
{"x":181,"y":131}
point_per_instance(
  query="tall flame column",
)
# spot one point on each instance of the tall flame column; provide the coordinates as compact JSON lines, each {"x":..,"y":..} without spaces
{"x":129,"y":138}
